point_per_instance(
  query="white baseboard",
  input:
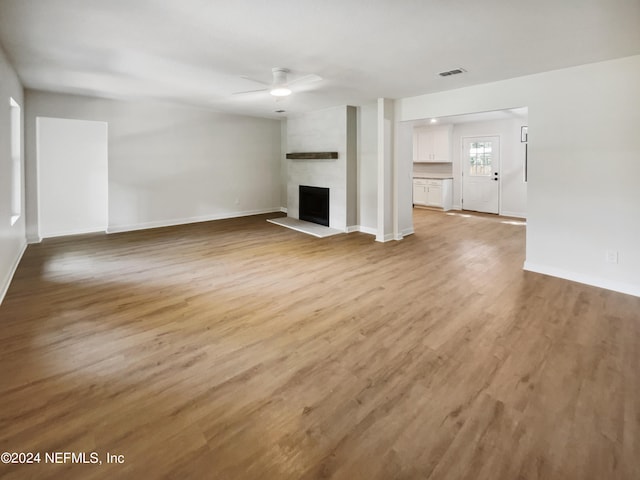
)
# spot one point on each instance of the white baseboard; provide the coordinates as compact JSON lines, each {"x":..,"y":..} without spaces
{"x":184,"y":221}
{"x":6,"y":282}
{"x":385,"y":238}
{"x":32,"y":240}
{"x":456,"y":207}
{"x":622,"y":287}
{"x":513,"y":214}
{"x":284,"y":209}
{"x":407,"y":232}
{"x":368,"y":230}
{"x":352,"y":228}
{"x":69,"y":234}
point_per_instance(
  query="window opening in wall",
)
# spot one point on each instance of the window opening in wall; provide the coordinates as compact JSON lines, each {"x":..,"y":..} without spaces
{"x":16,"y":163}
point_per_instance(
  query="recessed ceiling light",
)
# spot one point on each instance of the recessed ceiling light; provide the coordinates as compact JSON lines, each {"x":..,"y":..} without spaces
{"x":434,"y":120}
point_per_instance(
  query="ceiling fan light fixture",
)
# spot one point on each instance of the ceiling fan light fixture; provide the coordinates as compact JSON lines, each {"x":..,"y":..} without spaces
{"x":280,"y":91}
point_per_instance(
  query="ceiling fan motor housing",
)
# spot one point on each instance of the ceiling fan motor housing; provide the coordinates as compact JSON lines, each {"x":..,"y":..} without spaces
{"x":279,"y":88}
{"x":279,"y":76}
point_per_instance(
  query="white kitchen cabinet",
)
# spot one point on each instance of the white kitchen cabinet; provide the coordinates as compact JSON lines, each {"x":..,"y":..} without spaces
{"x":432,"y":192}
{"x":432,"y":144}
{"x":419,"y":191}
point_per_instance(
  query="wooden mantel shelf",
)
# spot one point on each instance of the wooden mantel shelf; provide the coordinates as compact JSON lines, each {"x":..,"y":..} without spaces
{"x":312,"y":155}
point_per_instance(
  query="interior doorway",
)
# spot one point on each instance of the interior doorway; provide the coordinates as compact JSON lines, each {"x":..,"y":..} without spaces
{"x":72,"y":158}
{"x":509,"y":192}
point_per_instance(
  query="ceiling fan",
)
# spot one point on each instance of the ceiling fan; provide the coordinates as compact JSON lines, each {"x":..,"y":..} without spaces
{"x":280,"y":86}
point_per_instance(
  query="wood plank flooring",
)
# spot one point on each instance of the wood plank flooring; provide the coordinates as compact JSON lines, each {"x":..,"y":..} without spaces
{"x":238,"y":349}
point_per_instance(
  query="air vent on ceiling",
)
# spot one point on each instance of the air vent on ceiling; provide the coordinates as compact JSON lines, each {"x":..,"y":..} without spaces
{"x":455,"y":71}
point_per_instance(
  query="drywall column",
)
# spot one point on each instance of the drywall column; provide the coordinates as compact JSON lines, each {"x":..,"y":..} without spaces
{"x":368,"y":168}
{"x":403,"y":161}
{"x":283,"y":165}
{"x":385,"y":171}
{"x":352,"y":168}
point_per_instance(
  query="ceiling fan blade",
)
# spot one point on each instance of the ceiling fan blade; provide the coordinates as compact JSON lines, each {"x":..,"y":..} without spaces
{"x":306,"y":79}
{"x":255,"y":80}
{"x":250,"y":91}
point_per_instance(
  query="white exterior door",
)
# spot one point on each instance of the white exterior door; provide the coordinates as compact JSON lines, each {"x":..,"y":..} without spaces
{"x":481,"y":174}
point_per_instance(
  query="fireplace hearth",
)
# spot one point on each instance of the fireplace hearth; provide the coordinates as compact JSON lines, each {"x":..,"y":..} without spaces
{"x":314,"y":204}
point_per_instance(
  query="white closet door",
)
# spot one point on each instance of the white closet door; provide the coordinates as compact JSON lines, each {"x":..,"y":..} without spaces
{"x":72,"y":176}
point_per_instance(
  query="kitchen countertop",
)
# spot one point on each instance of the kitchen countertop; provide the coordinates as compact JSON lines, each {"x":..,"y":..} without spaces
{"x":433,"y":175}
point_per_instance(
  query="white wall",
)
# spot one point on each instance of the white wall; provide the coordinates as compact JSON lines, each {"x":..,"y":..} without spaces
{"x":404,"y":172}
{"x":583,"y":195}
{"x":12,"y":236}
{"x":327,"y":130}
{"x":170,"y":164}
{"x":387,"y":193}
{"x":513,"y":188}
{"x":368,"y":168}
{"x":72,"y":176}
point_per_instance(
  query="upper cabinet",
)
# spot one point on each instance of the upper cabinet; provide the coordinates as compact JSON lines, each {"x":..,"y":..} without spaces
{"x":432,"y":144}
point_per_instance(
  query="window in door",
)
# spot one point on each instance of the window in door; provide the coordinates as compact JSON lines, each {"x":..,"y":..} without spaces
{"x":480,"y":156}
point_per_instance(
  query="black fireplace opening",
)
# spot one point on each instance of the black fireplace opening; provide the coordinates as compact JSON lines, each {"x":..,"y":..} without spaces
{"x":314,"y":204}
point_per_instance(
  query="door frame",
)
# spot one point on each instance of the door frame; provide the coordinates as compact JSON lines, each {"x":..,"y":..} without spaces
{"x":463,"y":164}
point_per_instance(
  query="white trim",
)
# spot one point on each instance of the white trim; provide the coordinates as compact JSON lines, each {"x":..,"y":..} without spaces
{"x":368,"y":230}
{"x":184,"y":221}
{"x":352,"y":228}
{"x":283,"y":209}
{"x":622,"y":287}
{"x":403,"y":233}
{"x":513,"y":214}
{"x":31,"y":240}
{"x":385,"y":238}
{"x":6,"y":283}
{"x":456,"y":207}
{"x":74,"y":232}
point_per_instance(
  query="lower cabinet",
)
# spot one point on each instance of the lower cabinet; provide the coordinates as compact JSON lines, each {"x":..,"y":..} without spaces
{"x":419,"y":192}
{"x":432,"y":192}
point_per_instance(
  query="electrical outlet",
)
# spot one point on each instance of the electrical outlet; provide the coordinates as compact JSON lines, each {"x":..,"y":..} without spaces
{"x":612,"y":256}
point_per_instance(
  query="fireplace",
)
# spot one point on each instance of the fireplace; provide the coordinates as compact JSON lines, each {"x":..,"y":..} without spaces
{"x":314,"y":204}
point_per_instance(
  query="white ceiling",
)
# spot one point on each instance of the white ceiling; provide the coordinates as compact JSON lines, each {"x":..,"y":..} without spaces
{"x":196,"y":51}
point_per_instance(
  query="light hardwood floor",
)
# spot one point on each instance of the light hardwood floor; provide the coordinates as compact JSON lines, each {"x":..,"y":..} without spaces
{"x":238,"y":349}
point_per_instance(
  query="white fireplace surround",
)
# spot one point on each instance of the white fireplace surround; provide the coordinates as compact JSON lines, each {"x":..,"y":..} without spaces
{"x":332,"y":129}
